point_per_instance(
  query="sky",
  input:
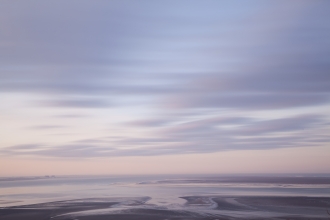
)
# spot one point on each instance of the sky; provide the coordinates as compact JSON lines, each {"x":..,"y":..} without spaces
{"x":152,"y":87}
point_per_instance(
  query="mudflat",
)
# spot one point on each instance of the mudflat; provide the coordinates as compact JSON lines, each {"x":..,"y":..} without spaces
{"x":196,"y":207}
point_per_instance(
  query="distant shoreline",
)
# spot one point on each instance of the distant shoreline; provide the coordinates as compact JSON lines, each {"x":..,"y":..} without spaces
{"x":202,"y":179}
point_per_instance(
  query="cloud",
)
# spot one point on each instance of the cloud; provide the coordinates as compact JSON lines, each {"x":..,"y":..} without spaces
{"x":42,"y":127}
{"x":70,"y":116}
{"x":25,"y":147}
{"x":199,"y":136}
{"x":281,"y":125}
{"x":148,"y":122}
{"x":77,"y":103}
{"x":167,"y":77}
{"x":62,"y":57}
{"x":249,"y":101}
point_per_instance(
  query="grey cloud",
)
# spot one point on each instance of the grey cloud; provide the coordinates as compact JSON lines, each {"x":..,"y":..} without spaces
{"x":77,"y":103}
{"x":149,"y":122}
{"x":83,"y":51}
{"x":82,"y":85}
{"x":306,"y":83}
{"x":167,"y":121}
{"x":288,"y":71}
{"x":249,"y":101}
{"x":93,"y":51}
{"x":186,"y":61}
{"x":70,"y":38}
{"x":281,"y":125}
{"x":244,"y":126}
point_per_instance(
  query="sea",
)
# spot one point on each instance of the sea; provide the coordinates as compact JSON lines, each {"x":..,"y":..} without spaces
{"x":167,"y":192}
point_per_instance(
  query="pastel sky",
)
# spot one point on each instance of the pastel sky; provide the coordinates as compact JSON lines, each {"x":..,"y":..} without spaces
{"x":121,"y":87}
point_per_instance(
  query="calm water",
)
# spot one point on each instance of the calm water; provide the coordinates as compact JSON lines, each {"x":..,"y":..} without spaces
{"x":162,"y":190}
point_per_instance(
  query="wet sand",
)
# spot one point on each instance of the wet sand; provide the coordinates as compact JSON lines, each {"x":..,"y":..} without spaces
{"x":196,"y":207}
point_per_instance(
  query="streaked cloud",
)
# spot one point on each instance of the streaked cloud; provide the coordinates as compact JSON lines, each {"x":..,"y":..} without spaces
{"x":201,"y":136}
{"x":42,"y":127}
{"x":77,"y":103}
{"x":126,"y":78}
